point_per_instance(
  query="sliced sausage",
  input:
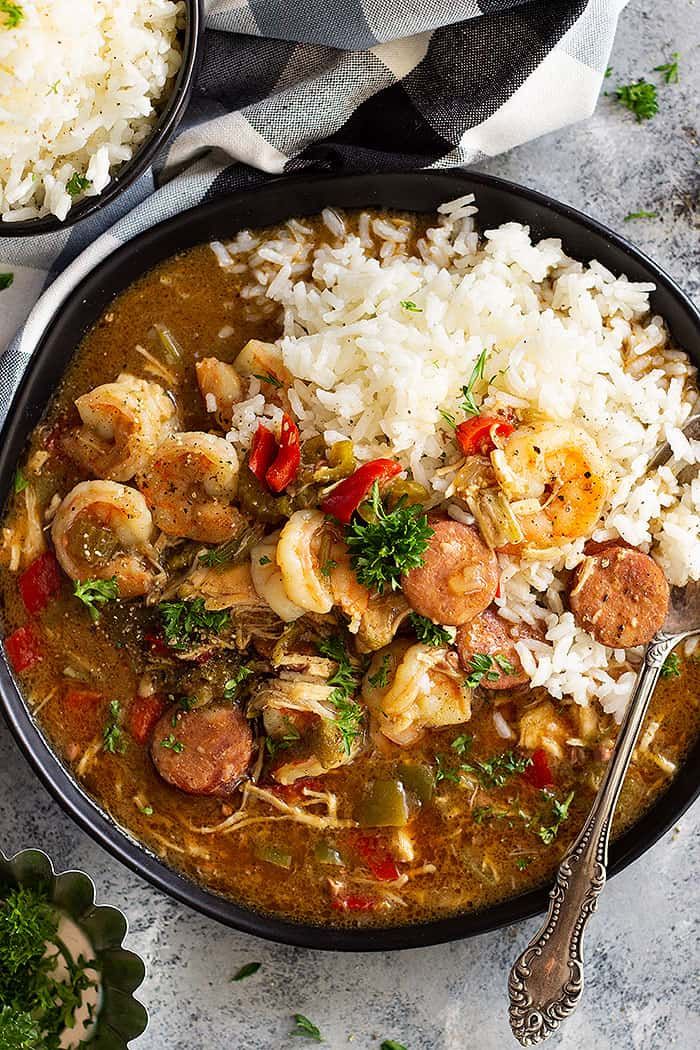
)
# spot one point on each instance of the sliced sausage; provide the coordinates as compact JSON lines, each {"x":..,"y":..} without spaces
{"x":489,"y":635}
{"x":458,"y":578}
{"x":206,"y":752}
{"x":620,"y":596}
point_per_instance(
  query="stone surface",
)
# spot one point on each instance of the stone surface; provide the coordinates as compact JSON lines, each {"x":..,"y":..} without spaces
{"x":643,"y":982}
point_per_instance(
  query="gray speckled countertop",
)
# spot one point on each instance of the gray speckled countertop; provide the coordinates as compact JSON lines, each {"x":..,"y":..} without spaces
{"x":643,"y":982}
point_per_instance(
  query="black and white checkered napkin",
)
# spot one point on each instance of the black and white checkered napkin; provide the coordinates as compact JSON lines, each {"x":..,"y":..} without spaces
{"x":331,"y":85}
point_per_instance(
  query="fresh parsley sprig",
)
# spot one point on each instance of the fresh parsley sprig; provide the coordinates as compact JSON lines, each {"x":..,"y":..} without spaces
{"x":93,"y":593}
{"x":344,"y":680}
{"x":430,"y":633}
{"x":187,"y":623}
{"x":669,"y":69}
{"x":306,"y":1028}
{"x":383,"y":550}
{"x":639,"y":98}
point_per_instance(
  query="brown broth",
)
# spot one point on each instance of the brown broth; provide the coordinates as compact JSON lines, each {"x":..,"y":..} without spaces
{"x":478,"y":846}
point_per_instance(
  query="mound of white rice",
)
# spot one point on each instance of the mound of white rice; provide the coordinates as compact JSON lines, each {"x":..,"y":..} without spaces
{"x":381,"y":332}
{"x":78,"y":89}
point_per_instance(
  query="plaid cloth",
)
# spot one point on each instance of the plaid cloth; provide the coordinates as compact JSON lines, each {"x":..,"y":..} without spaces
{"x":332,"y":85}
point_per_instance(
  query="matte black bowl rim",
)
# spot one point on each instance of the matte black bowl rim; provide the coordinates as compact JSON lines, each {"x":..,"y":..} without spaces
{"x":305,"y":196}
{"x":129,"y":172}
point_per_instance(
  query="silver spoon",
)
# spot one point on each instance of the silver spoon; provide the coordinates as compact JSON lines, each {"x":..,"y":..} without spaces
{"x":546,"y":982}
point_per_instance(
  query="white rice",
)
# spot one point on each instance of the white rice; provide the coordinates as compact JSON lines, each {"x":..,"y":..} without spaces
{"x":574,"y":342}
{"x":78,"y":91}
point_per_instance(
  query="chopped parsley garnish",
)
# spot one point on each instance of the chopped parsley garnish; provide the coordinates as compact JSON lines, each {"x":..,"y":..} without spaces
{"x":13,"y":12}
{"x":246,"y":971}
{"x":522,"y":863}
{"x":449,"y":418}
{"x":77,"y":184}
{"x":275,"y":744}
{"x":267,"y":377}
{"x":380,"y":678}
{"x":184,"y":704}
{"x":391,"y":1044}
{"x":36,"y":1007}
{"x":468,"y":404}
{"x":304,"y":1027}
{"x":344,"y":681}
{"x":671,"y":666}
{"x":112,"y":733}
{"x":96,"y":592}
{"x":6,"y":279}
{"x":20,"y":483}
{"x":669,"y":69}
{"x":639,"y":98}
{"x":328,"y":566}
{"x":430,"y":633}
{"x":231,"y":687}
{"x":608,"y":72}
{"x":146,"y":810}
{"x":383,"y":550}
{"x":171,"y":743}
{"x":494,"y":772}
{"x":264,"y":560}
{"x":462,"y":744}
{"x":641,"y":215}
{"x":409,"y":305}
{"x":560,"y":813}
{"x":443,"y":772}
{"x":482,"y":666}
{"x":186,"y":623}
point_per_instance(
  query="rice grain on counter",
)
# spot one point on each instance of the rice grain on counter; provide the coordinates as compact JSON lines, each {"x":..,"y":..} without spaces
{"x":78,"y":94}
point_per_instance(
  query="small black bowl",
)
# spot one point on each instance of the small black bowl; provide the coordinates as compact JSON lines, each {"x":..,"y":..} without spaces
{"x":170,"y":116}
{"x":498,"y":202}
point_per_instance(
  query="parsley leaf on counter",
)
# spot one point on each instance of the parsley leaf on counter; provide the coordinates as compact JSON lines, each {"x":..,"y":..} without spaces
{"x":430,"y":633}
{"x":669,"y":69}
{"x":246,"y":971}
{"x":6,"y":279}
{"x":641,"y":215}
{"x":96,"y":592}
{"x":391,"y":1044}
{"x":392,"y":544}
{"x":304,"y":1027}
{"x":640,"y":98}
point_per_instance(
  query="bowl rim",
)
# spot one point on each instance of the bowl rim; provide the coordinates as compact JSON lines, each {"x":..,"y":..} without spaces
{"x":127,"y":174}
{"x":305,"y":195}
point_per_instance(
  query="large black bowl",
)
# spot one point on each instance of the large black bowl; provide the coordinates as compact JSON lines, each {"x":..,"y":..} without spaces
{"x":498,"y":202}
{"x":170,"y":116}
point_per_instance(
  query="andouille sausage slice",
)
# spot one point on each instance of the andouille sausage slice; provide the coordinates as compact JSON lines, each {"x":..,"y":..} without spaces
{"x":490,"y":635}
{"x":458,"y":578}
{"x":620,"y":596}
{"x":206,"y":752}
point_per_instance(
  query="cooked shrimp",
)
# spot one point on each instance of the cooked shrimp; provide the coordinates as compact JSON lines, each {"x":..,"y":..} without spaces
{"x":123,"y":425}
{"x":300,"y":718}
{"x":267,"y":579}
{"x":102,"y":530}
{"x":263,"y":359}
{"x":298,"y":557}
{"x":425,"y":690}
{"x":220,"y":386}
{"x":190,"y":487}
{"x":542,"y":727}
{"x":559,"y":474}
{"x":374,"y":618}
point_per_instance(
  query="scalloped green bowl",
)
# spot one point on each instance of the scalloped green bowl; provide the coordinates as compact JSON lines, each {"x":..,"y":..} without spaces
{"x":121,"y":1017}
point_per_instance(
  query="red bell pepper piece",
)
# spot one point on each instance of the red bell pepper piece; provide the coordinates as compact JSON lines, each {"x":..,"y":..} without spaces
{"x":476,"y":435}
{"x":157,"y":644}
{"x":262,"y":451}
{"x":23,"y":648}
{"x":79,"y":700}
{"x":378,"y":859}
{"x":347,"y":496}
{"x":285,"y":466}
{"x":539,"y":774}
{"x":40,"y":583}
{"x":352,"y":902}
{"x":143,"y":714}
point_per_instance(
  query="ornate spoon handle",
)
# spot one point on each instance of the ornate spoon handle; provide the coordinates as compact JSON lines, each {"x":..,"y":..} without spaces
{"x":546,"y":982}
